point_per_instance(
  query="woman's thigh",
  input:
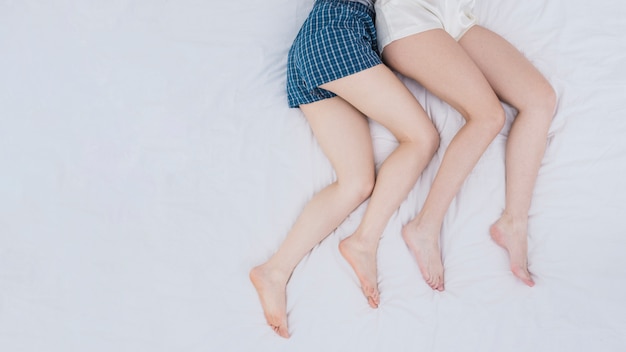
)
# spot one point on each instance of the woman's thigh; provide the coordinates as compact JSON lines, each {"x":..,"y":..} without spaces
{"x":513,"y":78}
{"x":344,"y":136}
{"x":439,"y":63}
{"x":378,"y":93}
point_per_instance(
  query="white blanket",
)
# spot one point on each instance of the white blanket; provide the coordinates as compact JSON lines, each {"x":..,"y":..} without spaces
{"x":149,"y":160}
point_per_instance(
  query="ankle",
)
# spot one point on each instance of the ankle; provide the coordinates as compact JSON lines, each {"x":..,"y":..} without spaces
{"x":364,"y":242}
{"x":517,"y":217}
{"x":422,"y":223}
{"x":272,"y":271}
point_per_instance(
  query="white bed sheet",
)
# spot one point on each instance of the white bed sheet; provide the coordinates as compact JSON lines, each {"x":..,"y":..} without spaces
{"x":149,"y":160}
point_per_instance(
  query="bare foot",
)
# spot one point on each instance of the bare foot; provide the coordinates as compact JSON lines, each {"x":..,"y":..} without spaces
{"x":425,"y":248}
{"x":362,"y":258}
{"x":271,"y":289}
{"x":511,"y":235}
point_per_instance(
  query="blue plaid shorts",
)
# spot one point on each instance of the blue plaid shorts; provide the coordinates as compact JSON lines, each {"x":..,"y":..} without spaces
{"x":338,"y":39}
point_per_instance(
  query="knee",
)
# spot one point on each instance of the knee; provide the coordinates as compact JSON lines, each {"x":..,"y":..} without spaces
{"x":424,"y":141}
{"x":364,"y":186}
{"x":538,"y":105}
{"x":491,"y":119}
{"x":359,"y":187}
{"x":430,"y":141}
{"x":543,"y":103}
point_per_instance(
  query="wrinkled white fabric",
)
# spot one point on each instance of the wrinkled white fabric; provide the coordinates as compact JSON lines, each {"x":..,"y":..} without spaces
{"x":149,"y":160}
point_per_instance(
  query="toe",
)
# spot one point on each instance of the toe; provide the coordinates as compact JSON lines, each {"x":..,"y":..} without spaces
{"x":371,"y":302}
{"x":372,"y":296}
{"x":436,"y":283}
{"x":527,"y":279}
{"x":431,"y":281}
{"x":283,"y":331}
{"x":367,"y":291}
{"x":523,"y":275}
{"x":376,"y":298}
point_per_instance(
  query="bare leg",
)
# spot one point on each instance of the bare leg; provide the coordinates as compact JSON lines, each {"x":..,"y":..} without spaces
{"x":517,"y":82}
{"x":440,"y":64}
{"x":396,"y":109}
{"x":378,"y":93}
{"x":343,"y":134}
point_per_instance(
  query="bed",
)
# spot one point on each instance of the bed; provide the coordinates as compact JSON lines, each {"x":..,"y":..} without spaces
{"x":149,"y":160}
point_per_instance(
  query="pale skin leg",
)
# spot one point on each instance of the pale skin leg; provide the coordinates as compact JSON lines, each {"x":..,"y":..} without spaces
{"x":442,"y":66}
{"x":343,"y":134}
{"x":520,"y":84}
{"x":516,"y":81}
{"x":418,"y":140}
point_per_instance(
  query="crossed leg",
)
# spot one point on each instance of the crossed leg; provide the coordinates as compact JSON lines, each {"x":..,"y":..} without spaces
{"x":520,"y":84}
{"x":343,"y":134}
{"x":457,"y":72}
{"x":442,"y":66}
{"x":379,"y":94}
